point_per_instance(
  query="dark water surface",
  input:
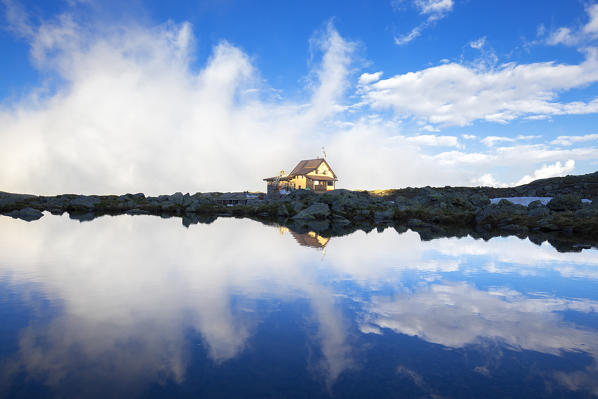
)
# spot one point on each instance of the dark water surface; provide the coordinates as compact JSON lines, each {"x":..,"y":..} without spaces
{"x":143,"y":307}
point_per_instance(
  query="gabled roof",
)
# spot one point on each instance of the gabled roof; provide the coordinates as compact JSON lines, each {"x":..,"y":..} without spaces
{"x":308,"y":165}
{"x":280,"y":178}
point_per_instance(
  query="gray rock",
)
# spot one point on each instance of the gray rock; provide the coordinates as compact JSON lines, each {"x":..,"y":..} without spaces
{"x":384,"y":215}
{"x":586,"y":212}
{"x":500,"y":212}
{"x":83,"y":203}
{"x":169,"y":206}
{"x":282,"y":210}
{"x":27,"y":214}
{"x":539,"y":211}
{"x":136,"y":211}
{"x":515,"y":228}
{"x":297,"y":206}
{"x":416,"y":223}
{"x":341,"y":220}
{"x":547,"y":223}
{"x":535,"y":204}
{"x":177,"y":198}
{"x":570,"y":202}
{"x":313,"y":212}
{"x":6,"y":202}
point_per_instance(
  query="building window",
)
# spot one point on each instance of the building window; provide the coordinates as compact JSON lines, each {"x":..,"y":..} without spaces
{"x":330,"y":183}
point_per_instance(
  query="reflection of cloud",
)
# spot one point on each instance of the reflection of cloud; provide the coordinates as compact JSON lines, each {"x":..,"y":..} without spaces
{"x":130,"y":286}
{"x":456,"y":315}
{"x":513,"y":255}
{"x":101,"y":353}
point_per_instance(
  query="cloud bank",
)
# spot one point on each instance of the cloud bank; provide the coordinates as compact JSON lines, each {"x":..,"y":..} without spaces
{"x":130,"y":109}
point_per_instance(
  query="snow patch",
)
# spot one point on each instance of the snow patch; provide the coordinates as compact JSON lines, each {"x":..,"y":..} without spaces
{"x":525,"y":201}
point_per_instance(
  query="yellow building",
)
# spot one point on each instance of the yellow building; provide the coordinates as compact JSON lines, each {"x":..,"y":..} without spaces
{"x":309,"y":174}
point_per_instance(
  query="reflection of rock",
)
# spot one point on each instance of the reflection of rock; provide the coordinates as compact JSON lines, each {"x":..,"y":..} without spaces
{"x":27,"y":214}
{"x":82,"y":216}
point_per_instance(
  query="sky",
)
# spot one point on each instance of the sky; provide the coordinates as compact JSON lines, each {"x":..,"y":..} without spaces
{"x":100,"y":97}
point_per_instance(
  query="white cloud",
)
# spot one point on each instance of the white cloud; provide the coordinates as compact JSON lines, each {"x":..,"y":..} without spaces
{"x":430,"y":128}
{"x":434,"y":7}
{"x":572,"y":37}
{"x":562,"y":36}
{"x":570,"y":140}
{"x":456,"y":95}
{"x":367,"y":78}
{"x":133,"y":112}
{"x":415,"y":33}
{"x":591,"y":27}
{"x":490,"y":141}
{"x":478,"y":44}
{"x":133,"y":116}
{"x":554,"y":170}
{"x":434,"y":10}
{"x":433,"y":140}
{"x":487,"y":180}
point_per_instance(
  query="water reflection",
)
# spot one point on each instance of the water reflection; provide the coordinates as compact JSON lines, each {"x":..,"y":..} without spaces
{"x":139,"y":302}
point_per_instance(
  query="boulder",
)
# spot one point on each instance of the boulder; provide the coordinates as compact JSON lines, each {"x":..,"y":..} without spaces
{"x":339,"y":220}
{"x":387,"y":214}
{"x":301,"y":195}
{"x":535,"y":204}
{"x":282,"y":210}
{"x":177,"y":198}
{"x":515,"y":228}
{"x":539,"y":211}
{"x":586,"y":212}
{"x":297,"y":206}
{"x":568,"y":202}
{"x":83,"y":203}
{"x":313,"y":212}
{"x":136,"y":211}
{"x":495,"y":213}
{"x":416,"y":223}
{"x":547,"y":224}
{"x":193,"y":204}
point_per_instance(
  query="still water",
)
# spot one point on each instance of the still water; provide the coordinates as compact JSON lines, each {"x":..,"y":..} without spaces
{"x":139,"y":306}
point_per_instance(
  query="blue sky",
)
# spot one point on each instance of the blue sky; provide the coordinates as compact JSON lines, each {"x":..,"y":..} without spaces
{"x":215,"y":95}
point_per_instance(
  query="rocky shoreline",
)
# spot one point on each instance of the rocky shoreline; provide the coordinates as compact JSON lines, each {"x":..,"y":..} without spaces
{"x":569,"y":220}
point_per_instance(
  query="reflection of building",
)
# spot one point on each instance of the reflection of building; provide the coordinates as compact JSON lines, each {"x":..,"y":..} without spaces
{"x":309,"y":174}
{"x":311,"y":239}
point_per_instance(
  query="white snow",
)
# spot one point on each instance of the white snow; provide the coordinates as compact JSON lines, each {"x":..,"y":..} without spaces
{"x":525,"y":201}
